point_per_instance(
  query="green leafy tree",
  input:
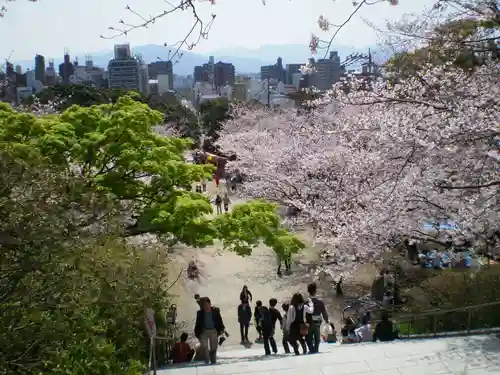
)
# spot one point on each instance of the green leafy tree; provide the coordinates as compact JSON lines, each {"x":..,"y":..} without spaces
{"x":213,"y":113}
{"x":74,"y":188}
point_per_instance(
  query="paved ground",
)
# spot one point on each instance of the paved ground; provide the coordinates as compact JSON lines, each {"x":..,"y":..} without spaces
{"x":473,"y":355}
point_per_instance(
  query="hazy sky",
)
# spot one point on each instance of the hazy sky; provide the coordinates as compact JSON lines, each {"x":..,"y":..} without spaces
{"x":49,"y":26}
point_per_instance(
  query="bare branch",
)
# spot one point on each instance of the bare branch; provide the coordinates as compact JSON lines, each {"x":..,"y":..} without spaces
{"x":198,"y":31}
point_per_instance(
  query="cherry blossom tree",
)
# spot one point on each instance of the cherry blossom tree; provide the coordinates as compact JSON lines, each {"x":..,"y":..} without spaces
{"x":379,"y":159}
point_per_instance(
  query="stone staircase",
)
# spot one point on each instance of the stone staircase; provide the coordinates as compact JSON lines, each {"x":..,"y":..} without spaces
{"x":459,"y":355}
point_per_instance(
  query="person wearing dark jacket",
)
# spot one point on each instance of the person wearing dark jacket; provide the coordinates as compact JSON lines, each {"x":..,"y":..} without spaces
{"x":208,"y":327}
{"x":245,"y":295}
{"x":314,"y":320}
{"x":384,"y":330}
{"x":266,"y":324}
{"x":244,"y":319}
{"x":257,"y":318}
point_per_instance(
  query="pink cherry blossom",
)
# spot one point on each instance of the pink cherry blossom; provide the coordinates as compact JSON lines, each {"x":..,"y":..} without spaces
{"x":376,"y":160}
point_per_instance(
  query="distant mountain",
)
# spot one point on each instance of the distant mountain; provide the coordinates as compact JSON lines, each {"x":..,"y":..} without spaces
{"x":245,"y":60}
{"x":290,"y":53}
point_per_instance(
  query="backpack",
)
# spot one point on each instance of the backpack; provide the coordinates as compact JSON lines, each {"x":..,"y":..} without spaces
{"x":265,"y":317}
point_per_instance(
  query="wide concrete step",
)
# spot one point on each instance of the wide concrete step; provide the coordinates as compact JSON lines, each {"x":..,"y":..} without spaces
{"x":469,"y":355}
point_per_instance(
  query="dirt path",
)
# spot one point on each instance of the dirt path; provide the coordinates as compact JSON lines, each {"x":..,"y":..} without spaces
{"x":224,"y":273}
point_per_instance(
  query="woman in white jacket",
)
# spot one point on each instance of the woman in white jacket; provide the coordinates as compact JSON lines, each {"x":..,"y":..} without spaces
{"x":296,"y":322}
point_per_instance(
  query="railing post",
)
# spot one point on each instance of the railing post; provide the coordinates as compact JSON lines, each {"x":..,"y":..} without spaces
{"x":434,"y":324}
{"x":469,"y":320}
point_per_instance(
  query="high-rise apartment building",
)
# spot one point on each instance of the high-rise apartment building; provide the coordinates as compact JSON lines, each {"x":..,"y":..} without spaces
{"x":50,"y":75}
{"x":199,"y":74}
{"x":162,"y":68}
{"x":274,"y":72}
{"x":40,"y":68}
{"x":124,"y":71}
{"x":327,"y":72}
{"x":224,"y":74}
{"x":66,"y":69}
{"x":291,"y":69}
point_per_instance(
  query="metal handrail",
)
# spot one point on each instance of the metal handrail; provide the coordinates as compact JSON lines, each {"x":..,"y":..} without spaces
{"x":411,"y":318}
{"x":440,"y":312}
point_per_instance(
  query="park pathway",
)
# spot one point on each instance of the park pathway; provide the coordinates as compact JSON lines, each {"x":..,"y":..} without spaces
{"x":224,"y":273}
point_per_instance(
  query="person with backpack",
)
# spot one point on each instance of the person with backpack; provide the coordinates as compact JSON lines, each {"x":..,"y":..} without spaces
{"x":244,"y":319}
{"x":296,"y":323}
{"x":314,"y":319}
{"x":266,"y":324}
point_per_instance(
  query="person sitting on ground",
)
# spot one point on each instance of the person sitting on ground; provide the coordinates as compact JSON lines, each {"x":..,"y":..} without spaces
{"x":257,"y":317}
{"x":364,"y":333}
{"x":182,"y":352}
{"x":384,"y":330}
{"x":331,"y":335}
{"x":347,"y":331}
{"x":192,"y":269}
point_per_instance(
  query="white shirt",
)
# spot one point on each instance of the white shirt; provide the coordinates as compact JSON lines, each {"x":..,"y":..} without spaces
{"x":290,"y":316}
{"x":364,"y":333}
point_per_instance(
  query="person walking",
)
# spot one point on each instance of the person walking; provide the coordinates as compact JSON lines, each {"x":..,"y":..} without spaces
{"x":284,"y":341}
{"x":338,"y":287}
{"x":245,"y":295}
{"x":244,"y":319}
{"x":266,"y":324}
{"x":226,"y":202}
{"x":208,"y":327}
{"x":218,"y":204}
{"x":258,"y":319}
{"x":296,"y":323}
{"x":314,"y":319}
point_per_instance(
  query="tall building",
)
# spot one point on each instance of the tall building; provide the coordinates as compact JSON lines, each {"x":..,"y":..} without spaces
{"x":124,"y":70}
{"x":19,"y":69}
{"x":199,"y":74}
{"x":66,"y":69}
{"x":50,"y":75}
{"x":40,"y":68}
{"x":206,"y":72}
{"x":327,"y":72}
{"x":291,"y":69}
{"x":224,"y":74}
{"x":274,"y":72}
{"x":162,"y":68}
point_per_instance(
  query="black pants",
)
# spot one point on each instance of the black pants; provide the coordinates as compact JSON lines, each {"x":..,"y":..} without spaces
{"x":295,"y":338}
{"x":284,"y":342}
{"x":244,"y":331}
{"x":314,"y":337}
{"x":268,"y":335}
{"x":287,"y":266}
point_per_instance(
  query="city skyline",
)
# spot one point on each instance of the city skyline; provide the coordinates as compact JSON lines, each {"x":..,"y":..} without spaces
{"x":40,"y":28}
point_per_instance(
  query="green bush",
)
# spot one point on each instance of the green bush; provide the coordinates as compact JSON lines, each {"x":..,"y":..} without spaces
{"x":455,"y":289}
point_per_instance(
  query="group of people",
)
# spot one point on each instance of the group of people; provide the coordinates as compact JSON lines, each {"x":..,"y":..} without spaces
{"x":219,"y":201}
{"x":301,"y":322}
{"x":360,"y":329}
